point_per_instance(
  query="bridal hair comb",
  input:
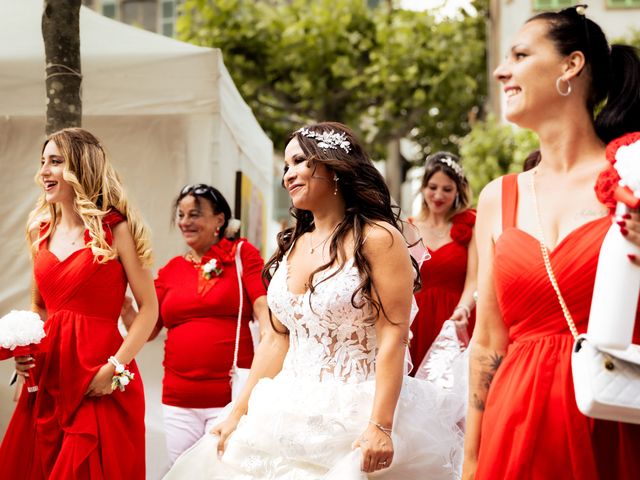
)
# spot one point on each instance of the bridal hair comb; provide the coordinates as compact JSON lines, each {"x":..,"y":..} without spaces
{"x":453,"y":165}
{"x":330,"y":139}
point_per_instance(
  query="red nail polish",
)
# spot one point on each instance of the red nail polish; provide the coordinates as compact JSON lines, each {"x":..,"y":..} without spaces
{"x":627,"y":216}
{"x":624,"y":231}
{"x":622,"y":223}
{"x":631,"y":256}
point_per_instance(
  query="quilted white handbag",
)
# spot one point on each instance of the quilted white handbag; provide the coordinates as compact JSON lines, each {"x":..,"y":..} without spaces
{"x":607,"y":381}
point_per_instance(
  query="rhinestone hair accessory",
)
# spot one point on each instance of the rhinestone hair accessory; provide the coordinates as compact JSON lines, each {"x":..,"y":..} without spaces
{"x":453,"y":165}
{"x":330,"y":139}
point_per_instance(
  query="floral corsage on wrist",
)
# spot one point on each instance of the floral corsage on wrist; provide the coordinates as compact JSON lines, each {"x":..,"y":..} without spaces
{"x":122,"y":376}
{"x":211,"y":269}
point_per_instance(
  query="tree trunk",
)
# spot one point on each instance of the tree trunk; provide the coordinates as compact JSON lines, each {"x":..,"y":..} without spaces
{"x":393,"y":169}
{"x":61,"y":35}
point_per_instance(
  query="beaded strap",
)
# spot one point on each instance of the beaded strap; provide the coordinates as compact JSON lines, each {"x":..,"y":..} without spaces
{"x":547,"y":264}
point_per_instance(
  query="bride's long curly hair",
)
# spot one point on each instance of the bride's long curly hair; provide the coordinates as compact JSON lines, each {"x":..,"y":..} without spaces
{"x":97,"y":189}
{"x":367,"y":202}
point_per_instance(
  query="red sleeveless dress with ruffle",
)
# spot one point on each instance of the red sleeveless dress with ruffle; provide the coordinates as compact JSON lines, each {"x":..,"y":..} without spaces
{"x":531,"y":427}
{"x":58,"y":432}
{"x":443,"y":277}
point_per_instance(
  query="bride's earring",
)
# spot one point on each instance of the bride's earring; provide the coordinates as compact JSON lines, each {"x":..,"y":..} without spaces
{"x":335,"y":179}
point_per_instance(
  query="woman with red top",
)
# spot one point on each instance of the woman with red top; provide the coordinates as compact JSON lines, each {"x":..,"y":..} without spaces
{"x":86,"y":421}
{"x":199,"y":299}
{"x":446,"y":226}
{"x":523,"y":422}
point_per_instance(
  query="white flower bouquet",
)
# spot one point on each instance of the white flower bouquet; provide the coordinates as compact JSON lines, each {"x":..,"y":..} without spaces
{"x":21,"y":332}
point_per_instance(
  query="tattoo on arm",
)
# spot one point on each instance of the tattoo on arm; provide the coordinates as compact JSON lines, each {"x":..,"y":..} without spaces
{"x":486,"y":377}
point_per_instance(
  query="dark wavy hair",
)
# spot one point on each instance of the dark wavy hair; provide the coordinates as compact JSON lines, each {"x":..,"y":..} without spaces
{"x":614,"y":71}
{"x":212,"y":195}
{"x":434,"y":164}
{"x":367,"y":201}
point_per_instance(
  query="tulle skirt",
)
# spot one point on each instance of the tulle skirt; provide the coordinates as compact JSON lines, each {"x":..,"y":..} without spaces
{"x":300,"y":429}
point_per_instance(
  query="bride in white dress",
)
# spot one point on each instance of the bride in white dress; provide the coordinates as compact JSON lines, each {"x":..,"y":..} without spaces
{"x":327,"y":396}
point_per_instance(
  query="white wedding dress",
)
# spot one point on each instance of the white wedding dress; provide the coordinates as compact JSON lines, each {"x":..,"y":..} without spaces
{"x":301,"y":424}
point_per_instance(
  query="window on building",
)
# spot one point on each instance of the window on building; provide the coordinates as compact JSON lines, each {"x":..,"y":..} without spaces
{"x":552,"y":4}
{"x":623,"y":3}
{"x":109,"y":8}
{"x":168,"y":17}
{"x":140,"y":13}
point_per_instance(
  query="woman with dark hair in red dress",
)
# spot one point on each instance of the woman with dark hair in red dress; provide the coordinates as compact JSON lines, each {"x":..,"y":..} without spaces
{"x":199,"y":299}
{"x":523,"y":421}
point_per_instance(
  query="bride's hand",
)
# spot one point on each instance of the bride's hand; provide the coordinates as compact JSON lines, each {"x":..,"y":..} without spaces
{"x":223,"y":431}
{"x":377,"y":449}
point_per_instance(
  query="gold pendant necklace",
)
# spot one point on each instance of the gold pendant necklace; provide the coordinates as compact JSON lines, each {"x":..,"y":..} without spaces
{"x":312,"y":247}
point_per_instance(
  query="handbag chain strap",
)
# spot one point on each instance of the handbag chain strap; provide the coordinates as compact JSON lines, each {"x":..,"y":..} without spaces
{"x":547,"y":262}
{"x":240,"y":291}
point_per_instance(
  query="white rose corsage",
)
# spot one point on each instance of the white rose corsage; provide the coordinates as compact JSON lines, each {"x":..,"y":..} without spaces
{"x":122,"y":376}
{"x":211,"y":269}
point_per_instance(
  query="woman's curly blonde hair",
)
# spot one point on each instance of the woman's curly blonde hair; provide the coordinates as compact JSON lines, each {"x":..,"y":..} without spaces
{"x":98,"y":190}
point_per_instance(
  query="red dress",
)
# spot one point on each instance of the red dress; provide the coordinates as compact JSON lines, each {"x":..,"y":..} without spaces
{"x":443,"y":277}
{"x":201,"y":317}
{"x":58,"y":432}
{"x":531,"y":428}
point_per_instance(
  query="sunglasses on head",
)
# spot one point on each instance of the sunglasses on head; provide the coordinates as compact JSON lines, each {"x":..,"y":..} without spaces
{"x":199,"y":189}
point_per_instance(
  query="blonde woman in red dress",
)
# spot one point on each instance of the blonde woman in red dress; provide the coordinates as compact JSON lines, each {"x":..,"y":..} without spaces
{"x":446,"y":226}
{"x":86,"y":421}
{"x":523,"y":422}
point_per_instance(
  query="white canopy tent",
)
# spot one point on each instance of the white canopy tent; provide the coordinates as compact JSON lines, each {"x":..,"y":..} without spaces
{"x":167,"y":112}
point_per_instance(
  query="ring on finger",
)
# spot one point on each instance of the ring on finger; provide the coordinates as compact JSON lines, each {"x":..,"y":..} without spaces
{"x":383,"y":463}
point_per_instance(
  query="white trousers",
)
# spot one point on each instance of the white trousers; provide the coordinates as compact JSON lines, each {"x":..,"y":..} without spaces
{"x":184,"y":426}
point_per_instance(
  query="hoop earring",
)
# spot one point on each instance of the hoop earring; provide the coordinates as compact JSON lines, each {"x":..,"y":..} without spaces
{"x":567,"y":92}
{"x":335,"y":179}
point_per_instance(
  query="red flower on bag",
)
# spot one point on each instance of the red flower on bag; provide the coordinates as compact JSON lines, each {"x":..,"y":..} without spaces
{"x":609,"y":188}
{"x":462,"y":226}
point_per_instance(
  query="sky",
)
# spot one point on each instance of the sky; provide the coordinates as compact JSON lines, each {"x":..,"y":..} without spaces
{"x":448,"y":6}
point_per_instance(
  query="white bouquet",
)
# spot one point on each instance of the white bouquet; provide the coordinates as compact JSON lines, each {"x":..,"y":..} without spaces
{"x":21,"y":332}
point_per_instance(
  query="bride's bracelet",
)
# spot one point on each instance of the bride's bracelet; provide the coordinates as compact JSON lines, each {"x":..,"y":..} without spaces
{"x":122,"y":376}
{"x":384,"y":430}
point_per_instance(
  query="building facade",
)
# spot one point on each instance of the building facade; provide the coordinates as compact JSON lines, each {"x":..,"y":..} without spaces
{"x":154,"y":15}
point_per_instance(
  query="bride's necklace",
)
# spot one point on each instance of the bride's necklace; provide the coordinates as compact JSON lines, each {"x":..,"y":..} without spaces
{"x":312,"y":247}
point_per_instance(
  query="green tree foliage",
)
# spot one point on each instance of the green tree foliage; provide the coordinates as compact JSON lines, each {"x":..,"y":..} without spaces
{"x":426,"y":77}
{"x":493,"y":149}
{"x":387,"y":72}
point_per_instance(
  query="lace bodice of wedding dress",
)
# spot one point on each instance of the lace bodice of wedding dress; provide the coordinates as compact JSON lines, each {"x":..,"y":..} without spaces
{"x":329,"y":338}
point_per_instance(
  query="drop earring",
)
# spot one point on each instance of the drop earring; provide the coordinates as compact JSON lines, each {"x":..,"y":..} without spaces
{"x":335,"y":179}
{"x":216,"y":233}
